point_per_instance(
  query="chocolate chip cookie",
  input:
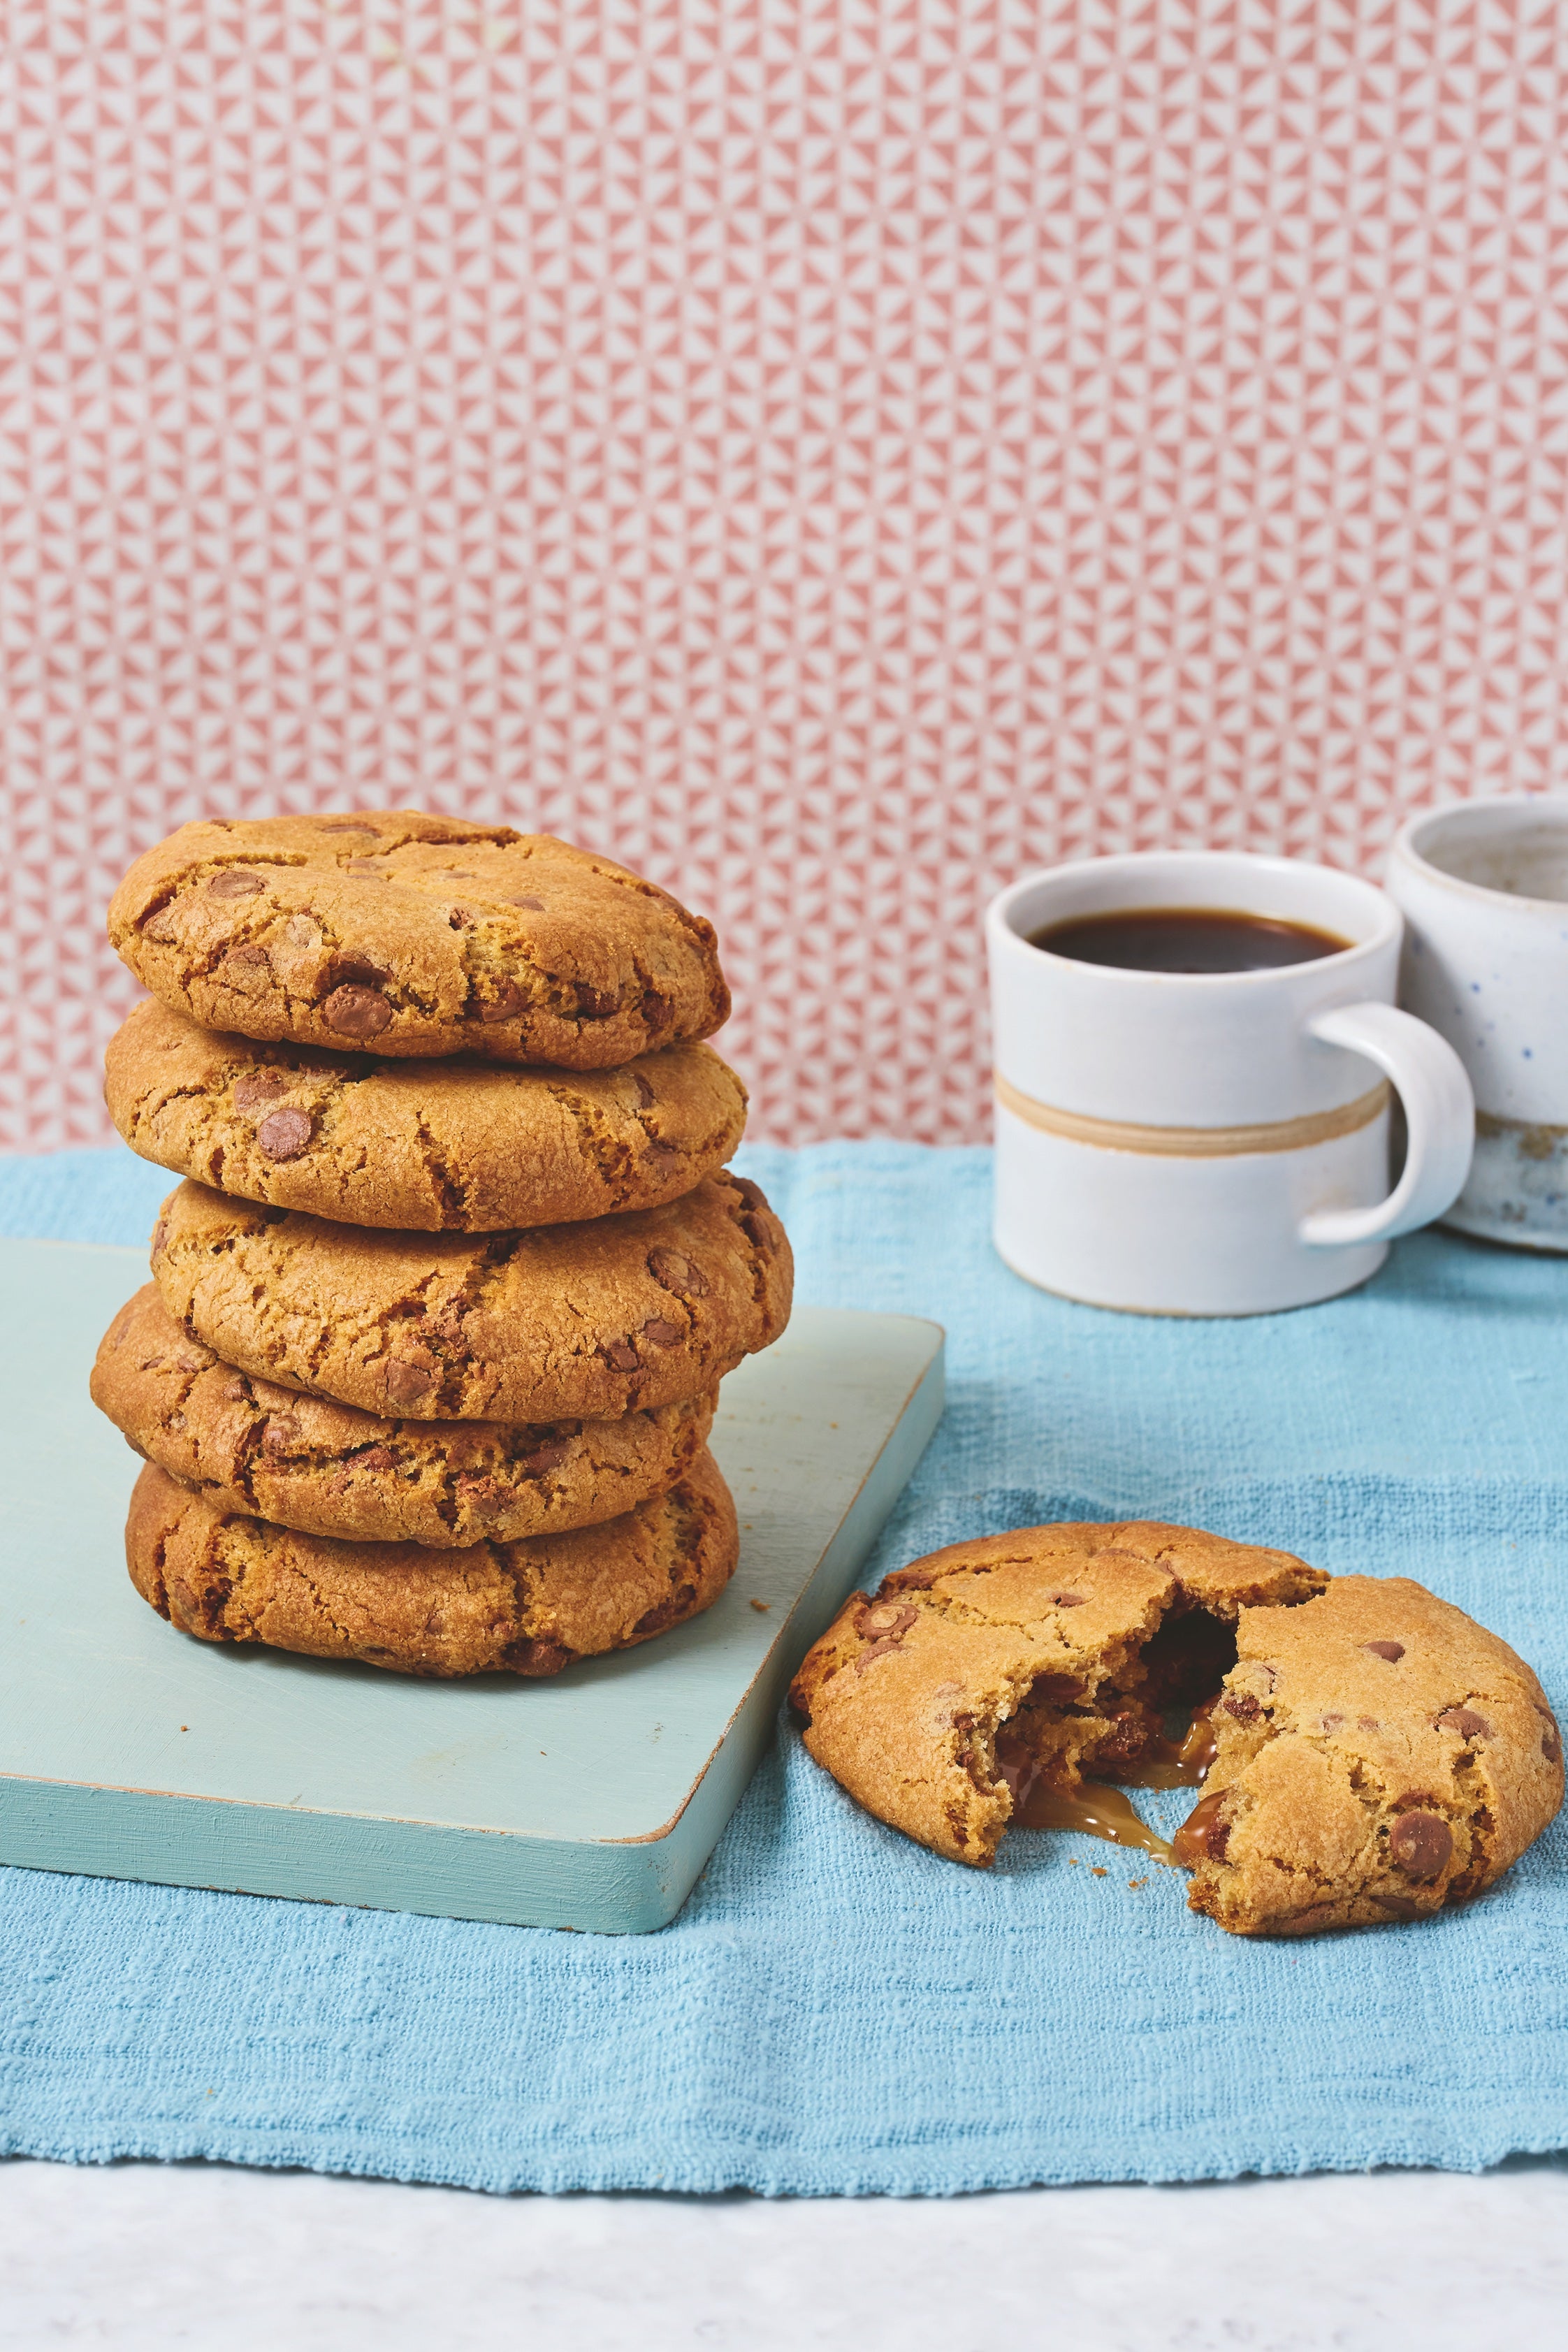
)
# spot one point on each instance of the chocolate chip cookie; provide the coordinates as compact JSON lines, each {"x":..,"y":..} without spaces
{"x":619,"y":1315}
{"x":400,"y":934}
{"x":455,"y":1146}
{"x":1371,"y":1752}
{"x":1378,"y":1756}
{"x":529,"y":1608}
{"x":1045,"y":1653}
{"x":247,"y":1445}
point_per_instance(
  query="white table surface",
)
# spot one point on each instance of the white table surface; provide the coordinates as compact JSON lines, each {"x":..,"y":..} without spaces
{"x":142,"y":2255}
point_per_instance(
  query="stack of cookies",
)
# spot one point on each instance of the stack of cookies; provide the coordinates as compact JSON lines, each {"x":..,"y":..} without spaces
{"x":426,"y":1369}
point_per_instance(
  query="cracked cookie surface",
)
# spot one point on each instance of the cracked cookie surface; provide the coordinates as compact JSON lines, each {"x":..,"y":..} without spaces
{"x":1048,"y":1650}
{"x":530,"y":1607}
{"x":440,"y":1146}
{"x":1379,"y":1755}
{"x":247,"y":1446}
{"x":596,"y":1319}
{"x":400,"y":933}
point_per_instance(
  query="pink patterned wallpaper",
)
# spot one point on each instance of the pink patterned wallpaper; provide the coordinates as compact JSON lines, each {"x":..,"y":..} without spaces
{"x":831,"y":455}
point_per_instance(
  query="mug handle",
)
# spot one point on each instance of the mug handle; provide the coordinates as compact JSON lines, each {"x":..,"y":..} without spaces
{"x":1439,"y":1116}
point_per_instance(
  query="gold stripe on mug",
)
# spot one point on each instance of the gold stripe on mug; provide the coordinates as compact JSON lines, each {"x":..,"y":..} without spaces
{"x":1195,"y":1142}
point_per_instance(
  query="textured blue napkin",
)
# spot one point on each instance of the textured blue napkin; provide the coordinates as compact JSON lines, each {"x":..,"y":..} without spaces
{"x":835,"y":2009}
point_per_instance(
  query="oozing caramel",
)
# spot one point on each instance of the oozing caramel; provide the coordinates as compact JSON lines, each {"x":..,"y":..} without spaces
{"x":1097,"y":1808}
{"x":1093,"y":1808}
{"x":1176,"y":1764}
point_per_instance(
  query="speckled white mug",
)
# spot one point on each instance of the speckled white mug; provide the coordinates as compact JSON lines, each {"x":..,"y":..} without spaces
{"x":1483,"y":888}
{"x":1214,"y":1143}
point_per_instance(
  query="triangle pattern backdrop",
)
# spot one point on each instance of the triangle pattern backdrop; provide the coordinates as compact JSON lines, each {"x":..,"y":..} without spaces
{"x":835,"y":453}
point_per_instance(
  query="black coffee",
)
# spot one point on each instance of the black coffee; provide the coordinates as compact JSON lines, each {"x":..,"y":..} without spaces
{"x":1187,"y":939}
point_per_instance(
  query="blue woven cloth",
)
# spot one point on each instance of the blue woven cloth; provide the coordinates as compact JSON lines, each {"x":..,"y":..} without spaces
{"x":835,"y":2011}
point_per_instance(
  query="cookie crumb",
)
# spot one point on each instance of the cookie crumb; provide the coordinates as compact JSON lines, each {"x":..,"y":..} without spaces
{"x":762,"y":1607}
{"x":1098,"y":1872}
{"x":1136,"y":1882}
{"x":1072,"y":1862}
{"x":185,"y":1727}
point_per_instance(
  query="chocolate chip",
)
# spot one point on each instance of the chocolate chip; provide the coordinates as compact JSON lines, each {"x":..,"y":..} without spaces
{"x":357,"y":971}
{"x":1202,"y":1836}
{"x":281,"y":1434}
{"x":365,"y":866}
{"x":1466,"y":1722}
{"x":234,"y":1391}
{"x":375,"y":1458}
{"x":506,"y":1004}
{"x":235,"y":883}
{"x":258,"y":1086}
{"x":1420,"y":1844}
{"x":1242,"y":1706}
{"x":622,"y":1355}
{"x":887,"y":1619}
{"x":284,"y":1134}
{"x":752,"y":1193}
{"x":356,"y":1012}
{"x":536,"y":1658}
{"x":662,"y":1334}
{"x":242,"y":967}
{"x":534,"y":905}
{"x":645,"y":1092}
{"x":1329,"y":1723}
{"x":160,"y":1235}
{"x":1392,"y":1651}
{"x":909,"y":1580}
{"x":1552,"y":1747}
{"x":1054,"y":1690}
{"x":664,"y":1158}
{"x":460,"y":918}
{"x":407,"y":1383}
{"x":674,"y":1271}
{"x":345,"y":824}
{"x":1367,"y":1722}
{"x":548,"y":1457}
{"x":878,"y":1650}
{"x":1402,"y":1906}
{"x":162,"y":924}
{"x":482,"y":1496}
{"x":595,"y":1004}
{"x":1067,"y":1600}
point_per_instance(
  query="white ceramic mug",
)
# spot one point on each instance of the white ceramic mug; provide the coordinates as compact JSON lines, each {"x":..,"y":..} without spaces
{"x":1484,"y":891}
{"x":1216,"y":1143}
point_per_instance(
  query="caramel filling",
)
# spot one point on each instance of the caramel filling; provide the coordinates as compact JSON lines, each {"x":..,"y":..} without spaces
{"x":1061,"y":1750}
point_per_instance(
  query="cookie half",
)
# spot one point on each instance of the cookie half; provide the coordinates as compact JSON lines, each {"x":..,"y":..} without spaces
{"x":247,"y":1445}
{"x":529,"y":1608}
{"x":421,"y":1147}
{"x":1378,"y":1754}
{"x":402,"y":933}
{"x":596,"y":1319}
{"x":1047,"y":1652}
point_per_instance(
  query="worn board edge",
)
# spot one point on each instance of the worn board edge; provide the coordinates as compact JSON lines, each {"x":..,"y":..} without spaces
{"x":603,"y":1886}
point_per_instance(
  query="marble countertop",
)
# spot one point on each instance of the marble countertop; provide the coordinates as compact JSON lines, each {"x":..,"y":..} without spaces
{"x":144,"y":2256}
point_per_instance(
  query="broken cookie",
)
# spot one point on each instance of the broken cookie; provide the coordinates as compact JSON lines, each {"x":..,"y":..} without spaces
{"x":1009,"y":1679}
{"x":1378,"y":1754}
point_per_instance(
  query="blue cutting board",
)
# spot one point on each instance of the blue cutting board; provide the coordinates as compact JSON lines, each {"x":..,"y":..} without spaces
{"x":128,"y":1750}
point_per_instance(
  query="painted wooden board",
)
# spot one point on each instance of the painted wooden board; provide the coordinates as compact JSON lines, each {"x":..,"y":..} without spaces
{"x":592,"y":1801}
